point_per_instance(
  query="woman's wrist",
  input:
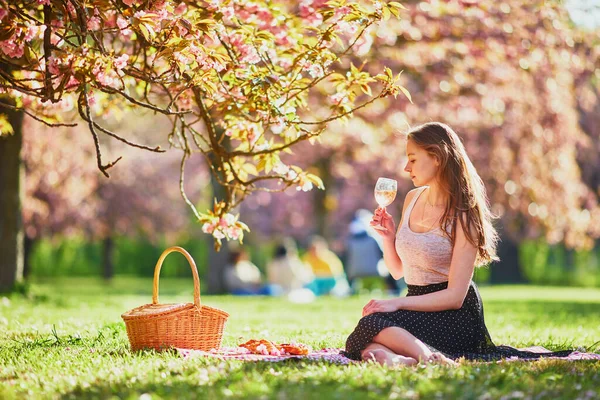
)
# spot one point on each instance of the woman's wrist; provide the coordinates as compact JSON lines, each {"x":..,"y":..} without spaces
{"x":389,"y":241}
{"x":398,"y":303}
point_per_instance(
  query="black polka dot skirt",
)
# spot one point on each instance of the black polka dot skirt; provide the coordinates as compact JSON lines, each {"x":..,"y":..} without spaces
{"x":455,"y":333}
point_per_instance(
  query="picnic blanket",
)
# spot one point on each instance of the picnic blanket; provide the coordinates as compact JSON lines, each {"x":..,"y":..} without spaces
{"x":333,"y":355}
{"x":238,"y":353}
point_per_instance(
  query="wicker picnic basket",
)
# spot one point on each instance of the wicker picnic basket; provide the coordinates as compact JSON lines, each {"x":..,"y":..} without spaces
{"x":186,"y":325}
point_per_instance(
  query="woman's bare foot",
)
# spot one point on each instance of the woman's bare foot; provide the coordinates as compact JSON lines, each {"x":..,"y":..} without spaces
{"x":439,"y":358}
{"x":387,"y":359}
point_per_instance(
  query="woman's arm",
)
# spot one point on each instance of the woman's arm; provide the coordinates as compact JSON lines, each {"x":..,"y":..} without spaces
{"x":452,"y":298}
{"x":390,"y":256}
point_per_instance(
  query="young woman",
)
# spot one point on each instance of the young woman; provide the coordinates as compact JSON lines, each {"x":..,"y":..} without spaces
{"x":445,"y":232}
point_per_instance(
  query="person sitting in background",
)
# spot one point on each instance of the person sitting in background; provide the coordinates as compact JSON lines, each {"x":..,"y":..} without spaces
{"x":242,"y":277}
{"x":326,"y":266}
{"x":363,"y":255}
{"x":286,"y":270}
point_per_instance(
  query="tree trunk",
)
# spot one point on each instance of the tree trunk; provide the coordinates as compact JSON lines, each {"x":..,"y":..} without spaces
{"x":217,"y":260}
{"x":108,"y":250}
{"x":11,"y":194}
{"x":28,"y":244}
{"x":320,"y":199}
{"x":508,"y":269}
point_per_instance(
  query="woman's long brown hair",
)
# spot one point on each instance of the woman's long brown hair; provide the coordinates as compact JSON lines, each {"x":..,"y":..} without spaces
{"x":467,"y":199}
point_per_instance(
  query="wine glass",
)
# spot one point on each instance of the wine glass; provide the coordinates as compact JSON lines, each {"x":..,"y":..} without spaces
{"x":385,"y":193}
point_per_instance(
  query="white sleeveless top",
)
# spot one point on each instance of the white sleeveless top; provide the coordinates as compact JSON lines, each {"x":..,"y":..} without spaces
{"x":425,"y":256}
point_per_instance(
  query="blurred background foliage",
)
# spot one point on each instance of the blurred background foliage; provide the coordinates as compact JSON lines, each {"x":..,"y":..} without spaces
{"x":519,"y":81}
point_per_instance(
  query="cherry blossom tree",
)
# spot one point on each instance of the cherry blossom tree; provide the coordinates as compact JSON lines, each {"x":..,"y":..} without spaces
{"x":65,"y":196}
{"x":519,"y":83}
{"x":232,"y":77}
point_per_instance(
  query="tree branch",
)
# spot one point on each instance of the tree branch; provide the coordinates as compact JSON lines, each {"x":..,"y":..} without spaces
{"x":51,"y":124}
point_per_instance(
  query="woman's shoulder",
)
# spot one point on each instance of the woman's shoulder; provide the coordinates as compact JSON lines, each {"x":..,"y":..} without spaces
{"x":411,"y":195}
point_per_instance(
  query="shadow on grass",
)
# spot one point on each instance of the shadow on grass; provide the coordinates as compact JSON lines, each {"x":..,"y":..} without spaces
{"x":283,"y":380}
{"x":319,"y":380}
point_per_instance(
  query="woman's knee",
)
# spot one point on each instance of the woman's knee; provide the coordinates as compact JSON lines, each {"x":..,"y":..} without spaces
{"x":392,"y":330}
{"x":369,"y":321}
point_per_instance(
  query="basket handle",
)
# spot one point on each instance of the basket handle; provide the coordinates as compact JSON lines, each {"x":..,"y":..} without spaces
{"x":192,"y":266}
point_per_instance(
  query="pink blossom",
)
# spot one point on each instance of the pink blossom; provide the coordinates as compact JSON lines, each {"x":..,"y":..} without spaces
{"x":227,"y":220}
{"x":249,"y":54}
{"x":285,"y":62}
{"x":44,"y":2}
{"x":234,"y":232}
{"x":315,"y":70}
{"x":162,"y":15}
{"x":208,"y":227}
{"x":347,"y":28}
{"x":363,"y":45}
{"x":55,"y":39}
{"x":3,"y":13}
{"x":278,"y":126}
{"x":341,"y":12}
{"x":338,"y":97}
{"x":308,"y":11}
{"x":72,"y":83}
{"x":139,"y":14}
{"x":280,"y":168}
{"x":305,"y":187}
{"x":123,"y":24}
{"x":58,"y":23}
{"x":218,"y":66}
{"x":228,"y":12}
{"x":12,"y":49}
{"x":129,"y":2}
{"x":218,"y":234}
{"x":253,"y":133}
{"x":93,"y":23}
{"x":53,"y":65}
{"x":91,"y":99}
{"x":108,"y":78}
{"x":70,"y":10}
{"x":291,"y":175}
{"x":181,"y":9}
{"x":121,"y":62}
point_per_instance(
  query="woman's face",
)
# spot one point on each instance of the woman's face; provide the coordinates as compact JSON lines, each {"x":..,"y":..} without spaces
{"x":421,"y":165}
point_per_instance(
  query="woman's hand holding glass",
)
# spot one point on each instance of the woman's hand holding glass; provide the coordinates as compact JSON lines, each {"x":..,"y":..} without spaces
{"x":383,"y":222}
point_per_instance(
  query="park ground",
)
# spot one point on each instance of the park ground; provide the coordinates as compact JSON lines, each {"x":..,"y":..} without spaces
{"x":65,"y":339}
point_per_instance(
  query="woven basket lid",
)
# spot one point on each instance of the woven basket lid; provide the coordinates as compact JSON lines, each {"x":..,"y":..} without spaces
{"x":155,"y":310}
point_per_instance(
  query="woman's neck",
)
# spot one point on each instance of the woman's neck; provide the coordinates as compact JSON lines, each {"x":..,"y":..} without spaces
{"x":435,"y":197}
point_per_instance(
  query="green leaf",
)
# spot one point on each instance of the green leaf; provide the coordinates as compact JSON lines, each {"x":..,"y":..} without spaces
{"x":386,"y":13}
{"x":366,"y":89}
{"x":261,"y":165}
{"x":397,"y":5}
{"x":318,"y":182}
{"x":389,"y":73}
{"x":250,"y":169}
{"x":406,"y":92}
{"x":144,"y":31}
{"x":6,"y":128}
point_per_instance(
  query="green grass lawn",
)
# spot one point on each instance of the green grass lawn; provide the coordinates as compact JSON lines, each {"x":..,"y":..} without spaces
{"x":67,"y":340}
